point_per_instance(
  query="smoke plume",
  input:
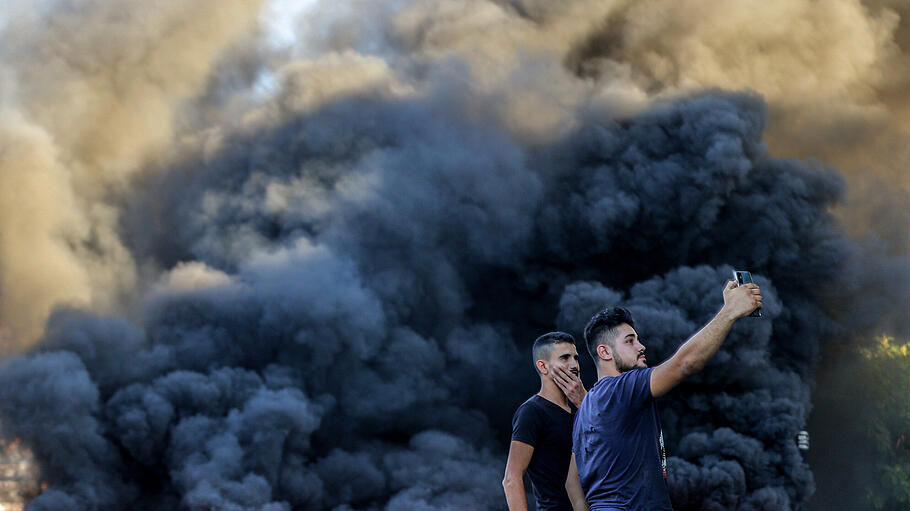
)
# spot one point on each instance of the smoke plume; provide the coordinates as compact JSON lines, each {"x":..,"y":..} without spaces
{"x":90,"y":92}
{"x":308,"y":276}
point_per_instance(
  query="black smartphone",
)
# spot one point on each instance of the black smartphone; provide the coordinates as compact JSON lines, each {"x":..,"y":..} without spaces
{"x":744,"y":277}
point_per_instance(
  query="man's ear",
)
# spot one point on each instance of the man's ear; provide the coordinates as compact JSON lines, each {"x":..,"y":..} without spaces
{"x":604,"y":352}
{"x":542,"y":367}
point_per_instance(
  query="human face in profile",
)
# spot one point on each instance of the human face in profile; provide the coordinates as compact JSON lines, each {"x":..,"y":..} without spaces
{"x":628,"y":351}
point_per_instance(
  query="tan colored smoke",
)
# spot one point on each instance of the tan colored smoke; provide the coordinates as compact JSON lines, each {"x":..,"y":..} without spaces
{"x":91,"y":90}
{"x":835,"y":75}
{"x":510,"y":62}
{"x":39,"y":220}
{"x":307,"y":84}
{"x":834,"y":72}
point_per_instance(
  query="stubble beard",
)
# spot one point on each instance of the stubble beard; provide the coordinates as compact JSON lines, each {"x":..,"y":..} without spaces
{"x":622,"y":365}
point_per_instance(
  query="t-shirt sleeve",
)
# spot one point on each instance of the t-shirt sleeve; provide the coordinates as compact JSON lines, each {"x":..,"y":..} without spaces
{"x":635,"y":387}
{"x":526,"y":425}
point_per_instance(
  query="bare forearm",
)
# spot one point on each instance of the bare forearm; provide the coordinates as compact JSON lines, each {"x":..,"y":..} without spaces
{"x":578,"y":502}
{"x":698,"y":350}
{"x":577,"y":496}
{"x":574,"y":489}
{"x":692,"y":356}
{"x":516,"y":498}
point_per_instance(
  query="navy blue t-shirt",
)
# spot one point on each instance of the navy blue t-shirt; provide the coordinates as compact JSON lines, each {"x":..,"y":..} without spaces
{"x":548,"y":428}
{"x":617,"y":445}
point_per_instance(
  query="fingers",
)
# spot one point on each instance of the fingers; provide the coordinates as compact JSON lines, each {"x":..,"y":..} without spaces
{"x":751,"y":288}
{"x":566,"y":374}
{"x":748,"y":285}
{"x":756,"y":292}
{"x":563,"y":384}
{"x":756,"y":296}
{"x":565,"y":380}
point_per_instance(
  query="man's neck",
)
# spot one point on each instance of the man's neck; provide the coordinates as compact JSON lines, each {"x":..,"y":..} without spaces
{"x":606,"y":371}
{"x":553,"y":394}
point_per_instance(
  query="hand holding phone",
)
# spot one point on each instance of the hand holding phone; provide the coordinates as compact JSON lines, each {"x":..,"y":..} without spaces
{"x":743,"y":277}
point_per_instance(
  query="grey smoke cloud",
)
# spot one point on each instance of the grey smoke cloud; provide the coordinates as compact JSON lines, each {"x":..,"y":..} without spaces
{"x":361,"y":336}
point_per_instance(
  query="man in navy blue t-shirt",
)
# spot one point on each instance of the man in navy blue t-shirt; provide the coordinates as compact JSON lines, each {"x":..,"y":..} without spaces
{"x":617,"y":443}
{"x":541,"y":443}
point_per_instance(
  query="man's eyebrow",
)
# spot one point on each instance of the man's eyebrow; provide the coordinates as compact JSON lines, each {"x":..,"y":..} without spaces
{"x":630,"y":334}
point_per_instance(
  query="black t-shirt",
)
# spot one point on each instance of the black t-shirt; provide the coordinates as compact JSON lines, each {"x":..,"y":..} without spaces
{"x":548,"y":428}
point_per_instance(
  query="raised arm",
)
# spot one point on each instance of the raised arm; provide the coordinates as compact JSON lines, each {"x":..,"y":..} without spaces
{"x":691,"y":357}
{"x":513,"y":483}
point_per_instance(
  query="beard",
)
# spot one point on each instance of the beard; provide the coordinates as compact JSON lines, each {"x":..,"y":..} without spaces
{"x":623,"y":364}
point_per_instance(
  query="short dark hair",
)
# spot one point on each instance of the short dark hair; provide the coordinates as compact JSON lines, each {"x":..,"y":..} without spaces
{"x":603,"y":324}
{"x":544,"y":345}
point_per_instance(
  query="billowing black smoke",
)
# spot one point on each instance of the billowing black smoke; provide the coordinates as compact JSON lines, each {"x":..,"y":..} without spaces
{"x":368,"y":277}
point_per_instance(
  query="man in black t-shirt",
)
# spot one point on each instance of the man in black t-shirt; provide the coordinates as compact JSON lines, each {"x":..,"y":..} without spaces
{"x":542,"y":431}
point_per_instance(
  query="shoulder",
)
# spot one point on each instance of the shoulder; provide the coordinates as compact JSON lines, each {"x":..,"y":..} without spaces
{"x":532,"y":403}
{"x":632,"y":377}
{"x":635,"y":375}
{"x":637,"y":380}
{"x":530,"y":408}
{"x":629,"y":387}
{"x":528,"y":422}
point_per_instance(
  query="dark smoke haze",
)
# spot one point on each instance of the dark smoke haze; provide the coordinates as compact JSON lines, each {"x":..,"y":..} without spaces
{"x":331,"y":260}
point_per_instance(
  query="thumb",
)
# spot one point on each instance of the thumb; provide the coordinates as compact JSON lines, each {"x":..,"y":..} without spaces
{"x":730,"y":285}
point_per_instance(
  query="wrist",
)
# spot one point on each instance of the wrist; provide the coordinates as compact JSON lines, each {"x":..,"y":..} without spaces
{"x":726,"y":316}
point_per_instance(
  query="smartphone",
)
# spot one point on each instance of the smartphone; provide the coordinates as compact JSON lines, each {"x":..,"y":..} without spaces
{"x":744,"y":277}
